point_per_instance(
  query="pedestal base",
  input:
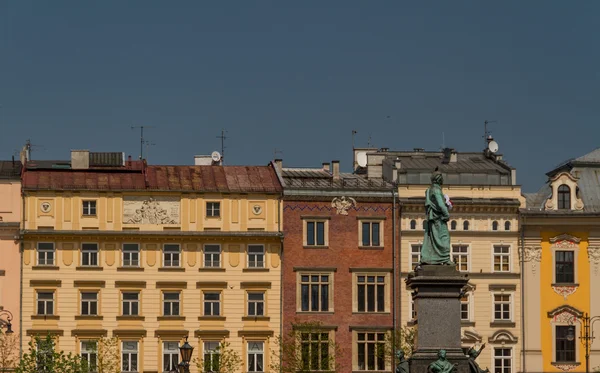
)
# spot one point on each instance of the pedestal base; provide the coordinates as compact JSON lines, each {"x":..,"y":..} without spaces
{"x":420,"y":360}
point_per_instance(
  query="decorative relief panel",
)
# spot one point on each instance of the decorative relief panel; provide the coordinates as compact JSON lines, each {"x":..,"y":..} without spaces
{"x":594,"y":258}
{"x":151,"y":210}
{"x":234,"y":255}
{"x":190,"y":251}
{"x":274,"y":250}
{"x":532,"y":255}
{"x":565,"y":291}
{"x":343,"y":204}
{"x":151,"y":251}
{"x":110,"y":249}
{"x":565,"y":367}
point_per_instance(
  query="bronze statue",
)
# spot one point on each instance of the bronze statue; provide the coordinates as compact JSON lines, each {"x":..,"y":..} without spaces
{"x":441,"y":365}
{"x":402,"y":366}
{"x":473,"y":366}
{"x":436,"y":243}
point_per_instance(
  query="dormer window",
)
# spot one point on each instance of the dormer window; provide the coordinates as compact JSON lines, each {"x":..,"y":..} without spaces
{"x":564,"y":197}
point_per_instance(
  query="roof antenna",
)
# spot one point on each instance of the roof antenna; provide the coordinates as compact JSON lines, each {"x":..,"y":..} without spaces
{"x":223,"y":137}
{"x":141,"y":138}
{"x":487,"y":134}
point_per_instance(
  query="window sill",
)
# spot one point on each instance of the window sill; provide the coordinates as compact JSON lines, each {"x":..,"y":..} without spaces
{"x":256,"y":318}
{"x":503,"y":324}
{"x":467,"y":323}
{"x":211,"y":269}
{"x":132,"y":269}
{"x":45,"y":317}
{"x":563,"y":284}
{"x":171,"y":269}
{"x":171,"y":318}
{"x":89,"y":216}
{"x":315,"y":312}
{"x":89,"y":268}
{"x":315,"y":246}
{"x":216,"y":318}
{"x":370,"y":313}
{"x":255,"y":270}
{"x":412,"y":322}
{"x":371,"y":247}
{"x":130,"y":318}
{"x":88,"y":317}
{"x":43,"y":267}
{"x":565,"y":363}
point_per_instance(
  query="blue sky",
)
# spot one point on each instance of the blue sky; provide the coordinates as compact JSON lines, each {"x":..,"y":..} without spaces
{"x":299,"y":77}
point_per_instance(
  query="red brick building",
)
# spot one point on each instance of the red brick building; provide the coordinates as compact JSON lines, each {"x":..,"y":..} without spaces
{"x":338,"y":263}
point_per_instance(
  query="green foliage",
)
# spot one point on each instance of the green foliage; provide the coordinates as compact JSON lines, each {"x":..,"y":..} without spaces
{"x":109,"y":359}
{"x":400,"y":339}
{"x":43,"y":357}
{"x":228,"y":361}
{"x":9,"y":351}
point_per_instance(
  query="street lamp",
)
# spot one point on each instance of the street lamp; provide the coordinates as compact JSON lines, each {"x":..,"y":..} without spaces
{"x":586,"y":335}
{"x":7,"y":322}
{"x":186,"y":355}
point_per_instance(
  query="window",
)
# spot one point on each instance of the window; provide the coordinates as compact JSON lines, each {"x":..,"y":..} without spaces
{"x":89,"y":353}
{"x":315,"y":352}
{"x":171,"y":304}
{"x":501,"y":258}
{"x":415,"y":255}
{"x":256,"y":304}
{"x":46,"y":254}
{"x":494,"y":225}
{"x":256,"y":355}
{"x":44,"y":356}
{"x":506,"y":225}
{"x":413,"y":308}
{"x":502,"y":307}
{"x":45,"y":303}
{"x":211,"y":356}
{"x":413,"y":224}
{"x":89,"y":303}
{"x":131,"y":303}
{"x":212,"y":304}
{"x":453,"y":225}
{"x":170,"y":356}
{"x":371,"y":351}
{"x":314,"y":292}
{"x":370,"y":293}
{"x":502,"y":360}
{"x":564,"y":197}
{"x":565,"y":267}
{"x":565,"y":349}
{"x":129,"y":356}
{"x":171,"y":255}
{"x":89,"y":254}
{"x":371,"y":233}
{"x":460,"y":256}
{"x":89,"y":208}
{"x":464,"y":308}
{"x":213,"y":209}
{"x":315,"y":233}
{"x":212,"y":256}
{"x":256,"y":256}
{"x":131,"y":255}
{"x":466,"y":225}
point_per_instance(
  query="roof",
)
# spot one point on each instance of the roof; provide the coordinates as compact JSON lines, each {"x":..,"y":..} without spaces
{"x":10,"y":170}
{"x":318,"y":178}
{"x":224,"y":179}
{"x":465,"y":162}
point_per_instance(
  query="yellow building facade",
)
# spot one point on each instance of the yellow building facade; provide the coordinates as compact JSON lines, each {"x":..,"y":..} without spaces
{"x":153,"y":254}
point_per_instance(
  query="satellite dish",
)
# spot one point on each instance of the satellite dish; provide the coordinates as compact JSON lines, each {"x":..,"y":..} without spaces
{"x":361,"y":159}
{"x":493,"y":146}
{"x":216,"y":156}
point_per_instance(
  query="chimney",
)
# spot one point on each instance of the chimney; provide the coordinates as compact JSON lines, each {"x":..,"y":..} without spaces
{"x":453,"y":156}
{"x":80,"y":159}
{"x":326,"y":166}
{"x":335,"y":167}
{"x":384,"y":150}
{"x":279,"y":165}
{"x":418,"y":150}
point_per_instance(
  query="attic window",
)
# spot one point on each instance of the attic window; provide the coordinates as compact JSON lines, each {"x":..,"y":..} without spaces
{"x":564,"y":197}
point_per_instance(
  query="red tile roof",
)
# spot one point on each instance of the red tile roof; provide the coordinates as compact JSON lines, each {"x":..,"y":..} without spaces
{"x":236,"y":179}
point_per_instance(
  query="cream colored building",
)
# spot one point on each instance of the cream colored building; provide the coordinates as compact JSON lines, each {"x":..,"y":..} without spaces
{"x":152,"y":254}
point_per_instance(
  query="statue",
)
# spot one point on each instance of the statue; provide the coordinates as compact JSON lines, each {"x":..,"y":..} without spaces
{"x":473,"y":366}
{"x":436,"y":243}
{"x":402,"y":366}
{"x":441,"y":365}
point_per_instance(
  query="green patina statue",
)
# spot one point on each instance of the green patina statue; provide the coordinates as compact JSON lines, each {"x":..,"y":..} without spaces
{"x":473,"y":366}
{"x":402,"y":366}
{"x":436,"y":243}
{"x":441,"y":365}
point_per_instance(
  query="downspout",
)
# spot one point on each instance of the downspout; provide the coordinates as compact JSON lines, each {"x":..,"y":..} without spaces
{"x":280,"y":275}
{"x":21,"y":249}
{"x":394,"y":272}
{"x":522,"y":260}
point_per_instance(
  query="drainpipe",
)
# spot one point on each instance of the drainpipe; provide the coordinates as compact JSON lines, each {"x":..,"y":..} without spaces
{"x":21,"y":249}
{"x":280,"y":273}
{"x":394,"y":270}
{"x":522,"y":260}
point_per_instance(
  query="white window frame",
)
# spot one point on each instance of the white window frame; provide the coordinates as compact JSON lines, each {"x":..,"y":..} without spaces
{"x":90,"y":254}
{"x":512,"y":357}
{"x":254,"y":263}
{"x":130,"y":303}
{"x":412,"y":305}
{"x":46,"y":301}
{"x":126,"y":349}
{"x":87,"y":354}
{"x":90,"y":303}
{"x":212,"y":209}
{"x":467,"y":254}
{"x":256,"y":303}
{"x":469,"y":304}
{"x":86,"y":210}
{"x":577,"y":327}
{"x":260,"y":352}
{"x":172,"y":254}
{"x":139,"y":255}
{"x":171,"y":303}
{"x":45,"y":251}
{"x":575,"y":261}
{"x":170,"y":352}
{"x":411,"y":253}
{"x":212,"y":256}
{"x":509,"y":255}
{"x":212,"y":302}
{"x":511,"y":306}
{"x":211,"y":348}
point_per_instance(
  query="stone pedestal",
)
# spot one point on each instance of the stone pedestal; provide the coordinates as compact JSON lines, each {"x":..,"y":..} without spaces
{"x":436,"y":293}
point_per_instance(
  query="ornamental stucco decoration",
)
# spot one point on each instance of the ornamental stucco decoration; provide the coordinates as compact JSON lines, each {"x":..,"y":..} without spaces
{"x":144,"y":210}
{"x":571,"y":241}
{"x":565,"y":291}
{"x":564,"y":317}
{"x":343,"y":204}
{"x":531,"y":254}
{"x":594,"y":257}
{"x":565,"y":367}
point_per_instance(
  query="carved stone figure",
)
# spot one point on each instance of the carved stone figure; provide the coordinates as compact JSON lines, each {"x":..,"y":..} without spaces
{"x":343,"y":204}
{"x":441,"y":365}
{"x":436,"y":243}
{"x":402,"y":366}
{"x":473,"y":354}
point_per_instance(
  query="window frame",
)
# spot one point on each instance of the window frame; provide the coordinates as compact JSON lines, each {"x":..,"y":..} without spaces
{"x":453,"y":225}
{"x":575,"y":248}
{"x":509,"y":257}
{"x":256,"y":262}
{"x":495,"y":225}
{"x":211,"y":352}
{"x":469,"y":304}
{"x":40,"y":251}
{"x":261,"y":352}
{"x":90,"y":252}
{"x":379,"y":339}
{"x":315,"y":221}
{"x":558,"y":253}
{"x":86,"y":354}
{"x":510,"y":303}
{"x":299,"y":286}
{"x":310,"y":343}
{"x":256,"y":303}
{"x":91,"y":303}
{"x":172,"y":303}
{"x":204,"y":255}
{"x":89,"y":208}
{"x":130,"y":352}
{"x":461,"y":254}
{"x":510,"y":359}
{"x":371,"y":221}
{"x":138,"y":252}
{"x":210,"y":211}
{"x":165,"y":352}
{"x":45,"y":301}
{"x":412,"y":224}
{"x":507,"y":226}
{"x":466,"y":225}
{"x":172,"y":254}
{"x":212,"y":303}
{"x":130,"y":302}
{"x":386,"y":292}
{"x":560,"y":197}
{"x":411,"y":255}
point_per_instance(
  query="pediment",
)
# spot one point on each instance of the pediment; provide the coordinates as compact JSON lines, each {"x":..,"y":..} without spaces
{"x":503,"y":336}
{"x":565,"y":310}
{"x":565,"y":237}
{"x":471,"y":336}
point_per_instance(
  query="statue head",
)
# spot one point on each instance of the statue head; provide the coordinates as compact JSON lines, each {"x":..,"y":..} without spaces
{"x":436,"y":177}
{"x":442,"y":354}
{"x":400,"y":354}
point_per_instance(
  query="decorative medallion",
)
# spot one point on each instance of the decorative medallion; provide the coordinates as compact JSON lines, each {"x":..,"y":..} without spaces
{"x":565,"y":291}
{"x":565,"y":367}
{"x":594,"y":257}
{"x":143,"y":210}
{"x":46,"y":207}
{"x":257,"y":209}
{"x":531,"y":254}
{"x":343,"y":204}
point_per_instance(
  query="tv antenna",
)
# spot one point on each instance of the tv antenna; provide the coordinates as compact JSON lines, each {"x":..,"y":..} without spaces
{"x":223,"y":137}
{"x":29,"y":148}
{"x":148,"y":143}
{"x":141,"y":138}
{"x":487,"y":134}
{"x":354,"y":132}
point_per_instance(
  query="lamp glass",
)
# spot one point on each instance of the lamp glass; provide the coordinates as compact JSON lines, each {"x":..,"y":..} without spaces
{"x":571,"y":334}
{"x":186,"y":352}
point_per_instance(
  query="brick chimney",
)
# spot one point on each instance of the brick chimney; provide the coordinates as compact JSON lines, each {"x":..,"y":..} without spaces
{"x":335,"y":167}
{"x":278,"y":165}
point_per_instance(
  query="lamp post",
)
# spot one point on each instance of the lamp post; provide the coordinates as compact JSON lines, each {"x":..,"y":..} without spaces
{"x":7,"y":322}
{"x":586,"y":335}
{"x":186,"y":355}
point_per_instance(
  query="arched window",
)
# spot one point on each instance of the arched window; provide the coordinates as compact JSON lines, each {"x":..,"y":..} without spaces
{"x":564,"y":197}
{"x":494,"y":225}
{"x":453,"y":225}
{"x":413,"y":224}
{"x":424,"y":223}
{"x":506,"y":225}
{"x":466,"y":225}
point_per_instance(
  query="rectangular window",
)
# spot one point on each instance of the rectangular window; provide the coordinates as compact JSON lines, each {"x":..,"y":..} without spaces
{"x":370,"y":293}
{"x":44,"y":358}
{"x":315,"y":233}
{"x":170,"y":357}
{"x":129,"y":356}
{"x":171,"y":255}
{"x":256,"y":354}
{"x":501,"y":258}
{"x":464,"y":308}
{"x":413,"y":309}
{"x":371,"y":233}
{"x":171,"y":304}
{"x":212,"y":303}
{"x":460,"y":256}
{"x":131,"y":303}
{"x":415,"y":255}
{"x":211,"y":356}
{"x":89,"y":208}
{"x":315,"y":352}
{"x":89,"y":353}
{"x":314,"y":292}
{"x":131,"y":255}
{"x":213,"y":209}
{"x":565,"y":267}
{"x":502,"y":307}
{"x":256,"y":256}
{"x":371,"y":351}
{"x":89,"y":254}
{"x":256,"y":304}
{"x":565,"y":349}
{"x":45,"y":303}
{"x":46,"y":253}
{"x":89,"y":303}
{"x":212,"y":256}
{"x":502,"y":360}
